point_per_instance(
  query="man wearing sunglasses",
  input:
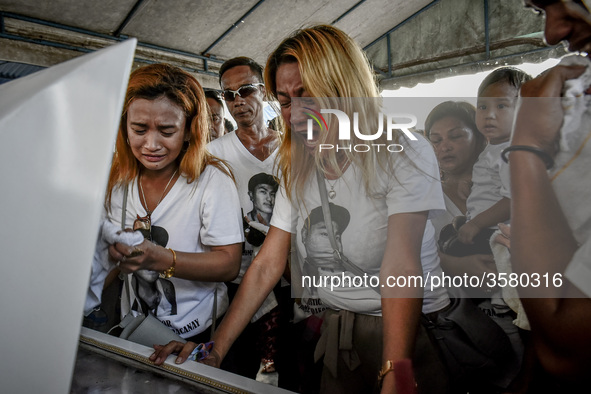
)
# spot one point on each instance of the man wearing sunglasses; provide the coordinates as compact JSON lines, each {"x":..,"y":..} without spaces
{"x":249,"y":150}
{"x":550,"y":159}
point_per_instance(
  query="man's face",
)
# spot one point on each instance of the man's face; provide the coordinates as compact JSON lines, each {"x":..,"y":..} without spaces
{"x":565,"y":21}
{"x":317,"y":243}
{"x":263,"y":198}
{"x":147,"y":275}
{"x":217,"y":118}
{"x":246,"y":111}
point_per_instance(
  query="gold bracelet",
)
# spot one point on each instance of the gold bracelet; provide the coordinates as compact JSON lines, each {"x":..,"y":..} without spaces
{"x":388,"y":367}
{"x":169,"y":273}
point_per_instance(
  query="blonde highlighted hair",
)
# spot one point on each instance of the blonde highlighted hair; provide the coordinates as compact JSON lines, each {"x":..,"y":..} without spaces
{"x":153,"y":82}
{"x":332,"y":65}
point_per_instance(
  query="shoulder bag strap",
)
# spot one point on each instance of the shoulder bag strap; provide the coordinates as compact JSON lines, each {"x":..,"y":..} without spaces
{"x":326,"y":214}
{"x":214,"y":312}
{"x":123,"y":218}
{"x":124,"y":208}
{"x":348,"y":264}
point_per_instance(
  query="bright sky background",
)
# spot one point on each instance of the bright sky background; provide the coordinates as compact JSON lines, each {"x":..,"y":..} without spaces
{"x":426,"y":96}
{"x":462,"y":86}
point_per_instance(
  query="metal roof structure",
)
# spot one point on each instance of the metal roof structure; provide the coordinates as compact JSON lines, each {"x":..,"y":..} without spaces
{"x":407,"y":41}
{"x":12,"y":70}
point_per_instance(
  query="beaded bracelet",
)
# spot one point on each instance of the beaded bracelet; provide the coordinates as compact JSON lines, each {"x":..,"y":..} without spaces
{"x":201,"y":351}
{"x":542,"y":154}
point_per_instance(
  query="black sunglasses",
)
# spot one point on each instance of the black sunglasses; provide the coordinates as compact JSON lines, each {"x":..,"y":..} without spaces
{"x":243,"y":91}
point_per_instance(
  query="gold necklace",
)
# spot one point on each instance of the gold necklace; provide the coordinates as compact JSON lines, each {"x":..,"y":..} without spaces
{"x":148,"y":212}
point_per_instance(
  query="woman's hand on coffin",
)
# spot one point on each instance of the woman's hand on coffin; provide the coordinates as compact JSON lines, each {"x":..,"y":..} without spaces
{"x":163,"y":351}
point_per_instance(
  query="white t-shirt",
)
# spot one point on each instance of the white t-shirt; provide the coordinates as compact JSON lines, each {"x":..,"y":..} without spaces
{"x":579,"y":268}
{"x":245,"y":166}
{"x":572,"y":189}
{"x":362,"y":221}
{"x":190,"y":218}
{"x":490,"y":181}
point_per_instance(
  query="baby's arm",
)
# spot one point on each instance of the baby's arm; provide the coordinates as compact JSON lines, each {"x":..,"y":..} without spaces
{"x":498,"y":213}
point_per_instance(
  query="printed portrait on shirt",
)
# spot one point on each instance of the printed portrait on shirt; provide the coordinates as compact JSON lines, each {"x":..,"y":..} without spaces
{"x":262,"y":189}
{"x":316,"y":240}
{"x":154,"y":294}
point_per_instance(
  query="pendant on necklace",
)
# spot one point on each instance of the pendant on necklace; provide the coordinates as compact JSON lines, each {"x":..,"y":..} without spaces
{"x":143,"y":223}
{"x":331,"y":193}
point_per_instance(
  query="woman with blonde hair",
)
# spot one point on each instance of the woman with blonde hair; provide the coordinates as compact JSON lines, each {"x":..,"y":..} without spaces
{"x":183,"y":200}
{"x":380,"y":201}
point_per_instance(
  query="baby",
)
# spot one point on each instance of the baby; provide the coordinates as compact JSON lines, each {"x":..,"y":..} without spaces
{"x":489,"y":201}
